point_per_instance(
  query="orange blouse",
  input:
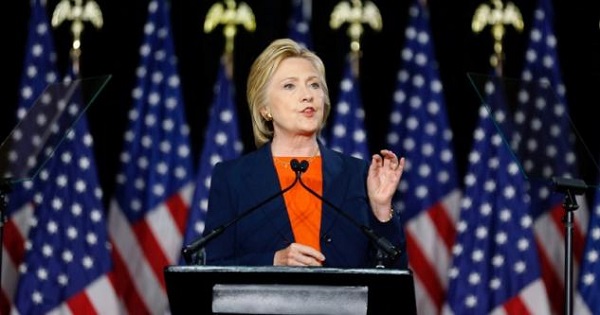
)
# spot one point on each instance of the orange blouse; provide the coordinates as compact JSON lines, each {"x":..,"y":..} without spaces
{"x":304,"y":209}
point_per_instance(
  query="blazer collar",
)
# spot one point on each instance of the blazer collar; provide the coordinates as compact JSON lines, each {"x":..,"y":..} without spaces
{"x":260,"y":166}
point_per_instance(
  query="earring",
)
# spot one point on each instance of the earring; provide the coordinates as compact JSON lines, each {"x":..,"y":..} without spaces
{"x":268,"y":117}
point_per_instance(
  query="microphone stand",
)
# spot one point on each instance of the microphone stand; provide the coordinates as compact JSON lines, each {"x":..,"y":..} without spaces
{"x":571,"y":188}
{"x":189,"y":251}
{"x":385,"y":249}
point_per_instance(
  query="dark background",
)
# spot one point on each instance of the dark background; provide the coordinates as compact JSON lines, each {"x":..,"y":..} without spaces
{"x":114,"y":50}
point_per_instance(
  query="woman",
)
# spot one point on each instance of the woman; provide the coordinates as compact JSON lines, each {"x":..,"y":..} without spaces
{"x":289,"y":103}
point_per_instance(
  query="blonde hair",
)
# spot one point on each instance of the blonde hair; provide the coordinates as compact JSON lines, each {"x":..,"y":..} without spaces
{"x":262,"y":71}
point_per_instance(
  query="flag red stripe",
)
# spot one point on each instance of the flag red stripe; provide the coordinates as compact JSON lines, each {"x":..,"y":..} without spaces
{"x":516,"y":306}
{"x":443,"y":224}
{"x":13,"y":242}
{"x":112,"y":275}
{"x":557,"y":214}
{"x":425,"y":271}
{"x":5,"y":304}
{"x":552,"y":283}
{"x":578,"y":243}
{"x":124,"y":287}
{"x":81,"y":304}
{"x":155,"y":257}
{"x":179,"y":211}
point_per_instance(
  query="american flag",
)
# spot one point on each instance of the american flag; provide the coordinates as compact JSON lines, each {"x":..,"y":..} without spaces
{"x":149,"y":210}
{"x":588,"y":287}
{"x":429,"y":194}
{"x":55,"y":236}
{"x":546,"y":147}
{"x":300,"y":22}
{"x":39,"y":70}
{"x":221,"y":142}
{"x":347,"y":132}
{"x":495,"y":267}
{"x":67,"y":260}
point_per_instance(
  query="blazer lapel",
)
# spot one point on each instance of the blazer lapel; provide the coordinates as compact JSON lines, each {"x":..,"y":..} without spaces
{"x":261,"y":182}
{"x":333,"y":187}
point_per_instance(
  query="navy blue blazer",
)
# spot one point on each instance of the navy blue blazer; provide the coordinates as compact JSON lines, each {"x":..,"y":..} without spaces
{"x":241,"y":184}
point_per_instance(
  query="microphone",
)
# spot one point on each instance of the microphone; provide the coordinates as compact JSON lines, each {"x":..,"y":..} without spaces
{"x":384,"y":246}
{"x":190,"y":250}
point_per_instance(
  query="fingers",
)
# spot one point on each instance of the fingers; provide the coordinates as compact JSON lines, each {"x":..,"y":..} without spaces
{"x":401,"y":162}
{"x":398,"y":164}
{"x":299,"y":255}
{"x":387,"y":158}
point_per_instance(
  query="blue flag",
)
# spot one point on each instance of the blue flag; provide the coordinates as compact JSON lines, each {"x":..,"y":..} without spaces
{"x":300,"y":22}
{"x":221,"y":142}
{"x":428,"y":196}
{"x":149,"y":210}
{"x":60,"y":246}
{"x":546,"y":147}
{"x":588,"y":285}
{"x":39,"y":70}
{"x":68,"y":264}
{"x":347,"y":133}
{"x":495,"y":266}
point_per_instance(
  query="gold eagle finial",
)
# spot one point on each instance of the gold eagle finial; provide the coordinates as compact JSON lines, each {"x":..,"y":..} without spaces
{"x":230,"y":16}
{"x":355,"y":15}
{"x":497,"y":16}
{"x":78,"y":14}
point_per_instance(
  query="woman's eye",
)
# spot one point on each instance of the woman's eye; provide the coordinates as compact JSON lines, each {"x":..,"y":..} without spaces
{"x":288,"y":86}
{"x":315,"y":85}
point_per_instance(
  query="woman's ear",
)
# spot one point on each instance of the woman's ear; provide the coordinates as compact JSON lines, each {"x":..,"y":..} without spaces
{"x":266,"y":114}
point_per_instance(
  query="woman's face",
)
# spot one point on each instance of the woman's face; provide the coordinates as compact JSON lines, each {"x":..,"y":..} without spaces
{"x":295,"y":99}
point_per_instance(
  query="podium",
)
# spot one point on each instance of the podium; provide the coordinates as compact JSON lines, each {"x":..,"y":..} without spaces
{"x":288,"y":290}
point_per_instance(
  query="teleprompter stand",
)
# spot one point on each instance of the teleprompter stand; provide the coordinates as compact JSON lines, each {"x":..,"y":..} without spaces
{"x":570,"y":188}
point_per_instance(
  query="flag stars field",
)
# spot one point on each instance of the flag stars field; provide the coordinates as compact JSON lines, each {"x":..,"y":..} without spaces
{"x":474,"y":278}
{"x":158,"y":190}
{"x":498,"y":259}
{"x":72,"y":233}
{"x":422,"y":192}
{"x":165,"y":146}
{"x":495,"y":284}
{"x":37,"y":297}
{"x":162,"y":168}
{"x":339,"y":131}
{"x":409,"y":144}
{"x":63,"y":280}
{"x":359,"y":136}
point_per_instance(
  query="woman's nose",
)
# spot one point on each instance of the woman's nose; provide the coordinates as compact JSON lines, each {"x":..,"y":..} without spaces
{"x":307,"y":95}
